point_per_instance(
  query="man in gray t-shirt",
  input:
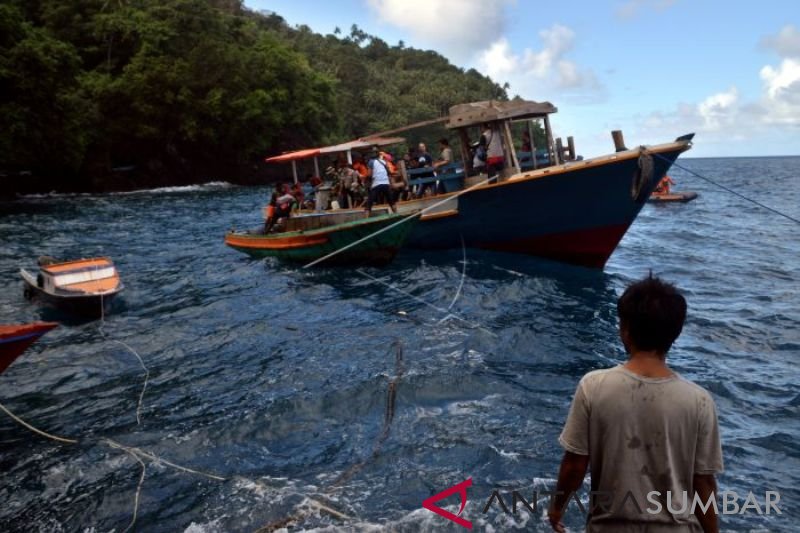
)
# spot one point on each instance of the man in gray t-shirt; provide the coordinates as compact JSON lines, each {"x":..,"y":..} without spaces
{"x":650,"y":436}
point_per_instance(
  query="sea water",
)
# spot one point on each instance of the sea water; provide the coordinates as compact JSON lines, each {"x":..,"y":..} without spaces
{"x":367,"y":391}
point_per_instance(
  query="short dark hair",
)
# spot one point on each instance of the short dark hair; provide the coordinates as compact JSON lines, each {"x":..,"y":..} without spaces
{"x":653,"y":312}
{"x":444,"y":141}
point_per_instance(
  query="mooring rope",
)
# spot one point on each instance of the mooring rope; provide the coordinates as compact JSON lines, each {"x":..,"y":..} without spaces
{"x":134,"y":352}
{"x":24,"y":424}
{"x":728,"y":189}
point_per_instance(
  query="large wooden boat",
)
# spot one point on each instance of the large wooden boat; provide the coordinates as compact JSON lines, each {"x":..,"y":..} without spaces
{"x":84,"y":287}
{"x":547,"y":202}
{"x":353,"y":239}
{"x":16,"y":338}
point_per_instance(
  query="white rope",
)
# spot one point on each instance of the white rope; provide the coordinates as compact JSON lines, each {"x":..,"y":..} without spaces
{"x":135,"y":353}
{"x":144,"y":385}
{"x":21,"y":422}
{"x":463,"y":274}
{"x":158,"y":460}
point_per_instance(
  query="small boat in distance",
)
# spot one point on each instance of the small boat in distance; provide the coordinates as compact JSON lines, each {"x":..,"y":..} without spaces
{"x":313,"y":237}
{"x":684,"y":197}
{"x":84,"y":286}
{"x":663,"y":194}
{"x":15,"y":339}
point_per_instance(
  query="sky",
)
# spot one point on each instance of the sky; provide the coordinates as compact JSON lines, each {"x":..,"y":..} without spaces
{"x":655,"y":69}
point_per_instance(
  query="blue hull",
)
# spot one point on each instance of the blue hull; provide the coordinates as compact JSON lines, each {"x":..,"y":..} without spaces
{"x":577,"y":213}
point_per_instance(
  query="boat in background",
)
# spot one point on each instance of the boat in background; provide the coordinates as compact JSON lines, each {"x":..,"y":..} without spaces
{"x":305,"y":239}
{"x":546,"y":202}
{"x":684,"y":197}
{"x":16,"y":338}
{"x":84,"y":287}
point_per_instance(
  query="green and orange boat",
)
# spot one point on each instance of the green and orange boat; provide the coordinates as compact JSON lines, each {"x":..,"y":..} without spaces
{"x":346,"y":238}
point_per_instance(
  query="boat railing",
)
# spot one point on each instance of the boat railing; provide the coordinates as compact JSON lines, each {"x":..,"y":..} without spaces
{"x":450,"y":177}
{"x":526,"y":160}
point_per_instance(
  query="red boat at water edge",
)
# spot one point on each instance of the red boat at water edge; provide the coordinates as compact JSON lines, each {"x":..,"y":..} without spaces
{"x":15,"y":339}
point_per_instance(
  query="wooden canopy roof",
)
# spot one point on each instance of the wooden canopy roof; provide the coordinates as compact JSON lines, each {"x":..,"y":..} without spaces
{"x":476,"y":113}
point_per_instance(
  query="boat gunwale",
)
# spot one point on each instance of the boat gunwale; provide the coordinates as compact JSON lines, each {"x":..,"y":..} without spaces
{"x":76,"y":262}
{"x":531,"y":175}
{"x":320,"y":231}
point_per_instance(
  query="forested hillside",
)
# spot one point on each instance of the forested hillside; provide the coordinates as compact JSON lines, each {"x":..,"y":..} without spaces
{"x":120,"y":94}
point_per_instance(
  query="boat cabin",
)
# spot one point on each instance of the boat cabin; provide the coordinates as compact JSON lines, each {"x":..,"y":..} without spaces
{"x":85,"y":276}
{"x":533,"y":147}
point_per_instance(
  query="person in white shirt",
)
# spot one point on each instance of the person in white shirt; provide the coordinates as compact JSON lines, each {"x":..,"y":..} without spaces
{"x":380,"y":188}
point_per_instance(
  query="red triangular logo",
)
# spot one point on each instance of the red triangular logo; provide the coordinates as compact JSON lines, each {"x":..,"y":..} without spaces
{"x":461,"y":488}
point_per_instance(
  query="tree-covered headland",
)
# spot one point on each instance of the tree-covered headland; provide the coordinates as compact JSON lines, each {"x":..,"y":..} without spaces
{"x":117,"y":94}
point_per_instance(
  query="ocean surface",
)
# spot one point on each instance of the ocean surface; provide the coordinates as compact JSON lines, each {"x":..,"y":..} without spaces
{"x":339,"y":399}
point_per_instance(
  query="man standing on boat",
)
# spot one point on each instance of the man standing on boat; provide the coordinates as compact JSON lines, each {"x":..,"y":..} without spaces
{"x":491,"y":139}
{"x":651,"y":436}
{"x":380,"y":187}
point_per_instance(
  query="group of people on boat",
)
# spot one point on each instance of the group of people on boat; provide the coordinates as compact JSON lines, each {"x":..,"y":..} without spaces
{"x":375,"y":177}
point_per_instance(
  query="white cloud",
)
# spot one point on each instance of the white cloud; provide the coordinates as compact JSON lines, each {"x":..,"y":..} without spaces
{"x":718,"y":110}
{"x":782,"y":92}
{"x":457,"y":29}
{"x":540,"y":74}
{"x":724,"y":116}
{"x":786,"y":42}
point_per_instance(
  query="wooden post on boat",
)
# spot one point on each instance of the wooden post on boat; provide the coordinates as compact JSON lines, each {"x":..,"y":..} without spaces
{"x":560,"y":150}
{"x":349,"y":157}
{"x":510,"y":149}
{"x":552,"y":156}
{"x":619,"y":142}
{"x":533,"y":144}
{"x":403,"y":171}
{"x":462,"y":135}
{"x":316,"y":168}
{"x":571,"y":148}
{"x":294,"y":170}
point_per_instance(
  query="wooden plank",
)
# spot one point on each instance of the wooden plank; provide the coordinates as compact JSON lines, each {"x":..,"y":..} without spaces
{"x":406,"y":128}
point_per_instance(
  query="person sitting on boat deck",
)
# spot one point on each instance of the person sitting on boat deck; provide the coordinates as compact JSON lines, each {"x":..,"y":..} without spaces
{"x":279,"y":207}
{"x":494,"y":148}
{"x":424,"y":159}
{"x":664,"y":185}
{"x":526,"y":142}
{"x":479,"y":156}
{"x":346,"y":178}
{"x":446,"y":155}
{"x":380,"y":189}
{"x":361,"y":168}
{"x":299,"y":195}
{"x":411,"y":158}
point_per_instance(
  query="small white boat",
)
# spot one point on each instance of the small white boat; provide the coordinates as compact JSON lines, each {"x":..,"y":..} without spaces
{"x":83,"y":286}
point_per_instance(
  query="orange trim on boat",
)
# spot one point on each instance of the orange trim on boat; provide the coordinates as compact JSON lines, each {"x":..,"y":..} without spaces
{"x":81,"y":263}
{"x":442,"y":214}
{"x":275,"y":243}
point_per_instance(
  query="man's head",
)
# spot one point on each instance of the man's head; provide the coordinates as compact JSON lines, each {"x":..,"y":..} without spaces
{"x":651,"y":315}
{"x":422,"y":148}
{"x":443,"y":143}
